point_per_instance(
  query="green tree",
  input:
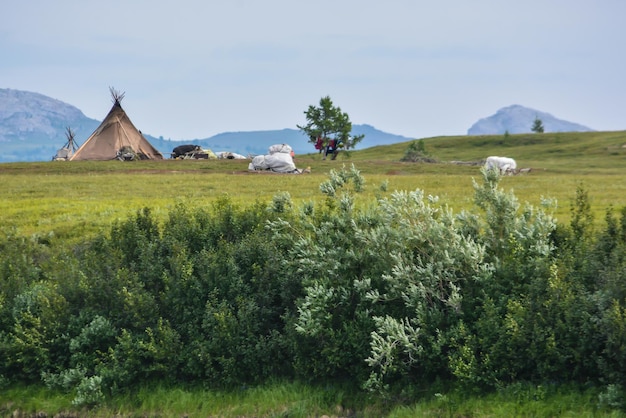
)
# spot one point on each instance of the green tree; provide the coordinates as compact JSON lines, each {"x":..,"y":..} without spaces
{"x":537,"y":126}
{"x":328,"y":123}
{"x":416,"y":152}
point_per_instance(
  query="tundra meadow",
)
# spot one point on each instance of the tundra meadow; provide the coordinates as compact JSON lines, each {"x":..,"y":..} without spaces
{"x":377,"y":285}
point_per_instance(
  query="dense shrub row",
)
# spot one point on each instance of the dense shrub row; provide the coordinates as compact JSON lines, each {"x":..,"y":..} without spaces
{"x":389,"y":295}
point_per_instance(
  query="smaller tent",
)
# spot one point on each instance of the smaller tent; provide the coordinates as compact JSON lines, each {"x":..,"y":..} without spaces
{"x":116,"y":138}
{"x":66,"y":152}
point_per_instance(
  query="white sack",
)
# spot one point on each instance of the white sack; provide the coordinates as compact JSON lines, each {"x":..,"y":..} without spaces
{"x":277,"y":162}
{"x":280,"y":148}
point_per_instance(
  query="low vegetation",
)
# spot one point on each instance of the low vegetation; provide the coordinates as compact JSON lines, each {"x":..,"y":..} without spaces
{"x":353,"y":298}
{"x":72,"y":200}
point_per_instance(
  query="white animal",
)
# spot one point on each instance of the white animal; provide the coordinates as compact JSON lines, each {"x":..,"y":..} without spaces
{"x":506,"y":165}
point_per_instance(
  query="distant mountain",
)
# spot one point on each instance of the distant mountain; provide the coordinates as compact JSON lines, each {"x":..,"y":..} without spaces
{"x":32,"y":128}
{"x":518,"y":119}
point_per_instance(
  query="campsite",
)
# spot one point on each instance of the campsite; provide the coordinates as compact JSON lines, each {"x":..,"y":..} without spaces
{"x":161,"y":213}
{"x":117,"y":138}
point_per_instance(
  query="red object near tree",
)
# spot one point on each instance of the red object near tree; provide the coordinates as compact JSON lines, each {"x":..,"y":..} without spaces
{"x":319,"y":144}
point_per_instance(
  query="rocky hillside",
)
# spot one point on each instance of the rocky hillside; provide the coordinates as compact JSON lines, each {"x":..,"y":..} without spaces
{"x":25,"y":114}
{"x":32,"y":126}
{"x":518,"y":119}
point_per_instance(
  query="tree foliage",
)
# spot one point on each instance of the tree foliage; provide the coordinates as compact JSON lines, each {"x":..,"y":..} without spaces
{"x":327,"y":122}
{"x":416,"y":152}
{"x":537,"y":126}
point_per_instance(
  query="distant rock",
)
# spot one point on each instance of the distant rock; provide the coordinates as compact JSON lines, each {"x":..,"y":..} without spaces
{"x":518,"y":119}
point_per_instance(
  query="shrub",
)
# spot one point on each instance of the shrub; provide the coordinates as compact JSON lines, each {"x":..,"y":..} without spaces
{"x":39,"y":318}
{"x":416,"y":153}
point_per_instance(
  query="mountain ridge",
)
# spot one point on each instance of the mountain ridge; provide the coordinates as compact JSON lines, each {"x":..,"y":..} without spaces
{"x":33,"y":127}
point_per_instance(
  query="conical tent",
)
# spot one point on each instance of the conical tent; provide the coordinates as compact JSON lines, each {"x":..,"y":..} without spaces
{"x":65,"y":153}
{"x":116,"y":138}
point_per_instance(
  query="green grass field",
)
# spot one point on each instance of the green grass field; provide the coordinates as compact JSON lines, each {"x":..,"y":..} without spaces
{"x":74,"y":199}
{"x":304,"y":401}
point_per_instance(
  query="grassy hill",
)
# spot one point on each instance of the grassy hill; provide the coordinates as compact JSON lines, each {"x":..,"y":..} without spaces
{"x":572,"y":152}
{"x":71,"y":199}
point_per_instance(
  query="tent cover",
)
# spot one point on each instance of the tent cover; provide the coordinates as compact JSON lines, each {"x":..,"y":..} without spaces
{"x":116,"y":138}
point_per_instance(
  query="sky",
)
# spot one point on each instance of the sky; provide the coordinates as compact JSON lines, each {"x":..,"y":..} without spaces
{"x":191,"y":69}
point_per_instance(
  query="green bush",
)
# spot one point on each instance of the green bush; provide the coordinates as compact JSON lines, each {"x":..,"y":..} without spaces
{"x":37,"y":333}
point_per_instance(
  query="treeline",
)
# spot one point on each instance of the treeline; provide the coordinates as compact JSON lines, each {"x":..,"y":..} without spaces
{"x":390,"y":295}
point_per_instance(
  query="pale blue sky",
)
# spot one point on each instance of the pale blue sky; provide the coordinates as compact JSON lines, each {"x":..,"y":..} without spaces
{"x":194,"y":68}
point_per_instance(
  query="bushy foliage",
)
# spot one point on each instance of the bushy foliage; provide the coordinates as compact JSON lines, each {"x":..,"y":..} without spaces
{"x":326,"y":122}
{"x":537,"y":126}
{"x":382,"y":286}
{"x":388,"y":295}
{"x":416,"y":152}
